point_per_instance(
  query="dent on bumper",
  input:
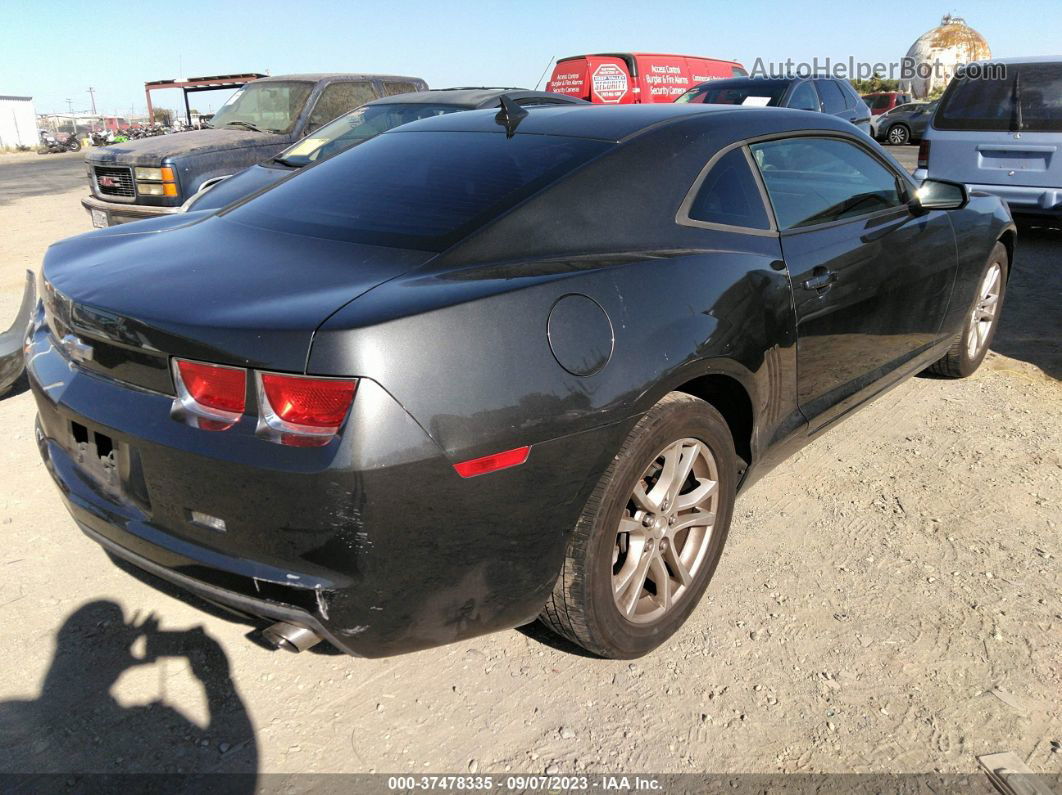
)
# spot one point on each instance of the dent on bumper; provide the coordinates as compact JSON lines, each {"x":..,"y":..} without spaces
{"x":377,"y":543}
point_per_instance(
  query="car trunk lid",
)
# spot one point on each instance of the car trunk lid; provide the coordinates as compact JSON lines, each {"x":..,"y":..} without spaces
{"x":122,"y":302}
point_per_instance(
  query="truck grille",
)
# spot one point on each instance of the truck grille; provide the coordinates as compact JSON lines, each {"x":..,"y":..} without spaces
{"x":114,"y":181}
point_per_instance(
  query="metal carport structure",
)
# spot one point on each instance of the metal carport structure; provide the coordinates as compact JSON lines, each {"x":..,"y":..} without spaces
{"x":190,"y":85}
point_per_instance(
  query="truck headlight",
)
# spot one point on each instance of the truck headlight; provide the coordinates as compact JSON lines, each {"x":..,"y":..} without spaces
{"x":156,"y":181}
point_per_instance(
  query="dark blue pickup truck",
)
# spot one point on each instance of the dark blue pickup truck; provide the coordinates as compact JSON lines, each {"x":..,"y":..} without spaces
{"x":154,"y":176}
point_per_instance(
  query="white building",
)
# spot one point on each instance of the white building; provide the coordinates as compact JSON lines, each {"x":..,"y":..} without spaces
{"x":18,"y":122}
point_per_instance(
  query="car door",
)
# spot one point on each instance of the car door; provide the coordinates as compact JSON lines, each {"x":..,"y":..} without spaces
{"x":871,"y":280}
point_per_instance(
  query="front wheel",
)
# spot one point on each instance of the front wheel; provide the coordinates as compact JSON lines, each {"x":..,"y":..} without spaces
{"x":898,"y":135}
{"x":970,"y":345}
{"x":651,"y":533}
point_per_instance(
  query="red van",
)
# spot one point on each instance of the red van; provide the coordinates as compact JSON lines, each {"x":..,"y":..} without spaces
{"x":623,"y":78}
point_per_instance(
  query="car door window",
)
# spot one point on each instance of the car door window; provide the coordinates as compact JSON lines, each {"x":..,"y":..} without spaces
{"x":804,"y":97}
{"x":832,"y":98}
{"x":818,"y":180}
{"x":337,"y":99}
{"x":729,"y":195}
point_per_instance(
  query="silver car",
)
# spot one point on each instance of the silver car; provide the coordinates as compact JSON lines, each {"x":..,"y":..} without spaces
{"x":998,"y":129}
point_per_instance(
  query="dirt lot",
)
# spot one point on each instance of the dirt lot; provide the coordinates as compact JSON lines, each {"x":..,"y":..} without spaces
{"x":889,"y":601}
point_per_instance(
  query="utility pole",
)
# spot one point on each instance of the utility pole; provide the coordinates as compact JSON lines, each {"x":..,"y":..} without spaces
{"x":92,"y":93}
{"x":70,"y":106}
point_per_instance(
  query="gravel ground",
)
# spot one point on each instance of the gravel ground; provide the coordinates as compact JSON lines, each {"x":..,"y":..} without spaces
{"x":889,"y":600}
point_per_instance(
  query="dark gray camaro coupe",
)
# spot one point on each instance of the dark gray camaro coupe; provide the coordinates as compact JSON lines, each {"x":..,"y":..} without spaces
{"x":488,"y":367}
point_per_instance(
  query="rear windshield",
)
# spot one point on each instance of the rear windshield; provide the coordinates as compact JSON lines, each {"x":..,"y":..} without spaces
{"x":737,"y":92}
{"x":422,"y":190}
{"x":1021,"y":97}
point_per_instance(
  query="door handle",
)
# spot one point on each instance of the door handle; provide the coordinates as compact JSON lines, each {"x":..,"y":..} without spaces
{"x":821,"y":279}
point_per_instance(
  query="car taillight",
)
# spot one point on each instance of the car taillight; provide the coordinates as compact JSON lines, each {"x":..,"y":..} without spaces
{"x":923,"y":154}
{"x":302,"y":411}
{"x":211,"y":397}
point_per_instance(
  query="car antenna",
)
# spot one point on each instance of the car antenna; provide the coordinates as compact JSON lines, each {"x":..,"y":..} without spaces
{"x":552,"y":58}
{"x":510,"y":116}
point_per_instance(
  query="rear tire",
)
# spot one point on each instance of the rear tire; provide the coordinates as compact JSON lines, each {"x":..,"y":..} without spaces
{"x":970,"y":345}
{"x":651,"y":534}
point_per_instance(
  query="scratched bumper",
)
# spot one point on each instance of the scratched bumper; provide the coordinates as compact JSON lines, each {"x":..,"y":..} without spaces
{"x":373,"y":540}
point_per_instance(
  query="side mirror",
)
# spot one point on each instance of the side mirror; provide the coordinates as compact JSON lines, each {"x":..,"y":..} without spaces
{"x":938,"y":194}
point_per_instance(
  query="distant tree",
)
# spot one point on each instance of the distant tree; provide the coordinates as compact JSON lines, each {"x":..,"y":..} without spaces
{"x":875,"y":83}
{"x":163,"y":116}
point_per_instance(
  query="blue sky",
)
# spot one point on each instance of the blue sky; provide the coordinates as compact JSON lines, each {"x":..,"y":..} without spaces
{"x":56,"y":51}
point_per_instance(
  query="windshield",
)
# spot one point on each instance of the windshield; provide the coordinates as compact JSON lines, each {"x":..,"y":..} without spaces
{"x":737,"y":92}
{"x":265,"y":106}
{"x":878,"y":101}
{"x":359,"y":125}
{"x":421,"y":190}
{"x":1023,"y":97}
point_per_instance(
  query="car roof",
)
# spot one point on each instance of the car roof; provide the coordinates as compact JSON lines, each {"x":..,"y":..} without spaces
{"x":618,"y":122}
{"x":318,"y":76}
{"x":472,"y":97}
{"x":642,"y":55}
{"x":744,"y":80}
{"x":1021,"y":60}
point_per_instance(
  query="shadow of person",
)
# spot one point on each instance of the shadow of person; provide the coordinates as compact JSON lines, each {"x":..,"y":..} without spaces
{"x":76,"y":727}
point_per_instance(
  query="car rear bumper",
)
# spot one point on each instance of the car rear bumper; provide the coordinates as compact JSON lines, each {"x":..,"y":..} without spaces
{"x":1034,"y":200}
{"x":120,"y":213}
{"x":373,"y":541}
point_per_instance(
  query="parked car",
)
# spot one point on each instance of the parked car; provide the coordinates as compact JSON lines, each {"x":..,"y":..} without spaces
{"x":821,"y":94}
{"x":154,"y":176}
{"x":359,"y":126}
{"x":635,"y":77}
{"x":1002,"y":134}
{"x":881,"y":102}
{"x":12,"y":360}
{"x":903,"y":124}
{"x":465,"y":374}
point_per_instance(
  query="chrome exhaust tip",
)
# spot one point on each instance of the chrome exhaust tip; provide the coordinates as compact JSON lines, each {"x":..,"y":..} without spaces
{"x":290,"y":637}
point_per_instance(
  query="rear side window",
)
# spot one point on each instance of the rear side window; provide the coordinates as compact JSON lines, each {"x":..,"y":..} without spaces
{"x":818,"y":180}
{"x":421,"y":190}
{"x":729,"y":195}
{"x":1020,"y":97}
{"x":339,"y":98}
{"x":392,"y":87}
{"x":804,"y":97}
{"x":855,"y":102}
{"x":832,"y":98}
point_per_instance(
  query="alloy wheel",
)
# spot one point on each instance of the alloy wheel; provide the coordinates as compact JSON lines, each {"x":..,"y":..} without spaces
{"x":665,"y":530}
{"x":898,"y":135}
{"x":983,"y":316}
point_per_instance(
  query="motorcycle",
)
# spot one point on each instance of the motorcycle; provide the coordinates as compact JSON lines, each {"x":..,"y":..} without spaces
{"x":50,"y":145}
